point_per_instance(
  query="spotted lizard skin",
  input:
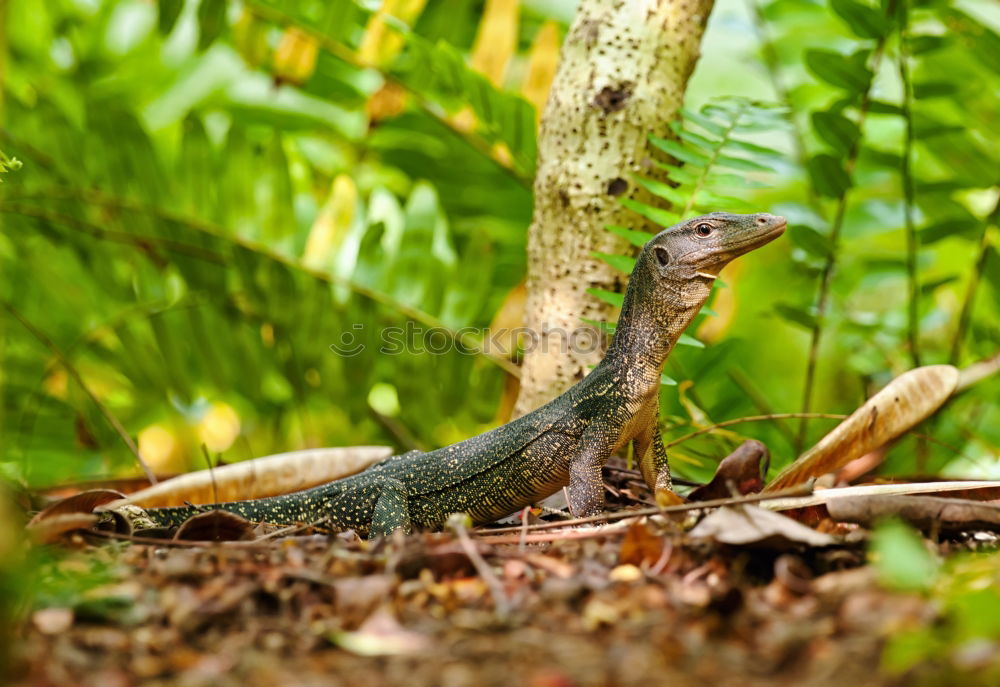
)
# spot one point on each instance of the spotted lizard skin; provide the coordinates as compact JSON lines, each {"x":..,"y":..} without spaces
{"x":566,"y":441}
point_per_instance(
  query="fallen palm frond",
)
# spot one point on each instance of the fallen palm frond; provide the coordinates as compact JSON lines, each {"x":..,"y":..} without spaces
{"x":252,"y":479}
{"x":902,"y":404}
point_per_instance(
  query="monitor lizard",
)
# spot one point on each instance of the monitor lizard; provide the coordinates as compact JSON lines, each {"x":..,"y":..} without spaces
{"x":567,"y":440}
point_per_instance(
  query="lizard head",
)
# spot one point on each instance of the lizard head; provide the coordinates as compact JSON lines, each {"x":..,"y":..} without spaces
{"x":699,"y":248}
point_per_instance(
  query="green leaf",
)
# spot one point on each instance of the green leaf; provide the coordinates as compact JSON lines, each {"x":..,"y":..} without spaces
{"x":862,"y":20}
{"x":837,"y":130}
{"x":928,"y":288}
{"x":657,"y":215}
{"x":934,"y":89}
{"x":922,"y":44}
{"x":170,"y":10}
{"x":696,"y":139}
{"x":958,"y":226}
{"x":837,"y":70}
{"x":688,"y":340}
{"x":991,"y":268}
{"x":606,"y":327}
{"x":810,"y":240}
{"x":636,"y":238}
{"x":661,"y":190}
{"x":753,"y":148}
{"x":901,"y":559}
{"x":678,"y":151}
{"x":704,"y":122}
{"x":828,"y":175}
{"x":741,"y":164}
{"x":622,"y":263}
{"x":610,"y":297}
{"x":796,"y":315}
{"x":667,"y":381}
{"x":882,"y":107}
{"x":211,"y":21}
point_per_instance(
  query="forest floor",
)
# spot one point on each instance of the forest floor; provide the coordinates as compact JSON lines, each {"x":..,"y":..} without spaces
{"x":638,"y":602}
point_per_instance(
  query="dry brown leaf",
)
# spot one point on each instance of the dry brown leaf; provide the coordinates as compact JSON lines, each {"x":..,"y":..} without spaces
{"x":743,"y":469}
{"x":258,"y":478}
{"x":904,"y":402}
{"x":84,"y":502}
{"x":750,"y":525}
{"x":215,"y":525}
{"x":52,"y":528}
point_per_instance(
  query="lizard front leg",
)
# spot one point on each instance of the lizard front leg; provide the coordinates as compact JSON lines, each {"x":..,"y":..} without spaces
{"x":586,"y":485}
{"x":654,"y":465}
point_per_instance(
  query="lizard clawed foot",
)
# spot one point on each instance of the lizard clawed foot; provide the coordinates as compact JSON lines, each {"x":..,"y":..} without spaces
{"x":667,"y":497}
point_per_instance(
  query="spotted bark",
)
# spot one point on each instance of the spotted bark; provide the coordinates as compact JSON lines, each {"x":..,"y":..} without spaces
{"x":622,"y":73}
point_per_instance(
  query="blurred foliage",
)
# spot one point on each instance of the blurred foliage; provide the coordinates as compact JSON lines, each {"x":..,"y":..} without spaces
{"x":960,"y":646}
{"x":216,"y":197}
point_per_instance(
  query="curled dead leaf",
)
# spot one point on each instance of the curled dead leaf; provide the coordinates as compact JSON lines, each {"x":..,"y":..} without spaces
{"x":281,"y":473}
{"x":904,"y":402}
{"x":215,"y":525}
{"x":743,"y":469}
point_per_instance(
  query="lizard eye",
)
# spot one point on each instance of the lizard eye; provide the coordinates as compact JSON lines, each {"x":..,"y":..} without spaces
{"x":703,"y":230}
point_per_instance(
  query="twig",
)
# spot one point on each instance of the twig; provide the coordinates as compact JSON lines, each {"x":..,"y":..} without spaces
{"x":500,"y":600}
{"x":773,"y":68}
{"x":752,"y":418}
{"x":965,"y":314}
{"x":913,"y":311}
{"x":826,"y":277}
{"x":800,"y":490}
{"x":743,"y":382}
{"x":75,"y":374}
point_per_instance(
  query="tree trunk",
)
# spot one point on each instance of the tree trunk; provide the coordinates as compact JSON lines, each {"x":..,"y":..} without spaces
{"x":622,"y":73}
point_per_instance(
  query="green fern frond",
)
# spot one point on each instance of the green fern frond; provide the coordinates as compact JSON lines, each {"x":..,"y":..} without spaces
{"x":713,"y":165}
{"x":439,"y":73}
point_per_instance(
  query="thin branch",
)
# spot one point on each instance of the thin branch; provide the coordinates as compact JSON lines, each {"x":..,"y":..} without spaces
{"x":773,"y":67}
{"x":826,"y":278}
{"x":75,"y":374}
{"x":500,"y":600}
{"x":799,"y":490}
{"x":753,"y":393}
{"x":752,"y":418}
{"x":965,"y":314}
{"x":913,"y":311}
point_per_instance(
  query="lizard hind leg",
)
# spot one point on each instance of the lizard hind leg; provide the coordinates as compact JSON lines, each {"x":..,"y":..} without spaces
{"x":392,"y":511}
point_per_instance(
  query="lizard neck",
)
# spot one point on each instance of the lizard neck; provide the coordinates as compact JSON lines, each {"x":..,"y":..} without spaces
{"x":654,"y":314}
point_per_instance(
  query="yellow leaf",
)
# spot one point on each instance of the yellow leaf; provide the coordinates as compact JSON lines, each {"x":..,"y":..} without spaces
{"x":332,"y":223}
{"x":386,"y":102}
{"x":250,"y":37}
{"x":295,"y":58}
{"x":381,"y":42}
{"x":161,"y":450}
{"x":496,"y":39}
{"x":219,"y":428}
{"x":542,"y":62}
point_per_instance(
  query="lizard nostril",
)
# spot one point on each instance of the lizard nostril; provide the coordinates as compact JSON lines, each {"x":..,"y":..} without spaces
{"x":762,"y":220}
